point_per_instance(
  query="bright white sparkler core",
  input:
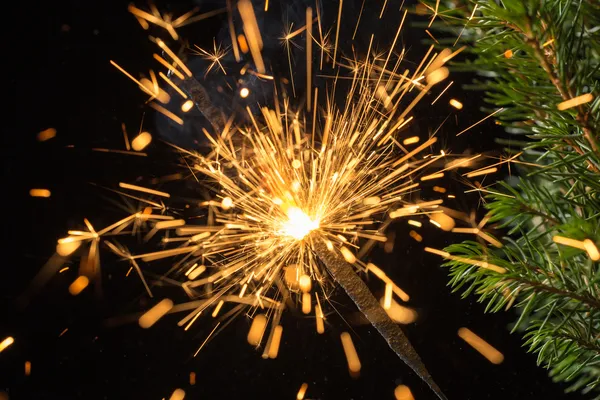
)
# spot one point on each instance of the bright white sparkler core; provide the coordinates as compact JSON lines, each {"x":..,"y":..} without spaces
{"x":298,"y":224}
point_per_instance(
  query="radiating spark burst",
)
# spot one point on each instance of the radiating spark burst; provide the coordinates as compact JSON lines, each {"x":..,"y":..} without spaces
{"x":290,"y":178}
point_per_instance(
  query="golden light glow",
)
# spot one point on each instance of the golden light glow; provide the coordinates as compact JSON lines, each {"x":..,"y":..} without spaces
{"x":354,"y":365}
{"x":6,"y":342}
{"x":78,"y":285}
{"x":298,"y":224}
{"x":302,"y":391}
{"x":140,"y":142}
{"x":39,"y":193}
{"x":244,"y":92}
{"x":403,"y":392}
{"x":483,"y":347}
{"x":46,"y":134}
{"x":151,"y":316}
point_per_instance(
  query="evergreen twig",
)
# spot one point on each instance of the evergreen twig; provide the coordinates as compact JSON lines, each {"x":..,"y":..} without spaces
{"x":532,"y":55}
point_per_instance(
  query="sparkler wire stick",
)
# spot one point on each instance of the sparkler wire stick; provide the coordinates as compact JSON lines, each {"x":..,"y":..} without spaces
{"x":359,"y":293}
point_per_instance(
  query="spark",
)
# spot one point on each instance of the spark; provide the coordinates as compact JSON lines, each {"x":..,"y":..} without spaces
{"x":480,"y":121}
{"x":302,"y":391}
{"x":39,"y":193}
{"x":46,"y":134}
{"x":140,"y":142}
{"x":354,"y":365}
{"x":214,"y":57}
{"x":483,"y":347}
{"x":4,"y":344}
{"x":575,"y":101}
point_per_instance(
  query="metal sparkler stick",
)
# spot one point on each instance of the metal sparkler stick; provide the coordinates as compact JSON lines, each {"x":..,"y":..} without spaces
{"x":357,"y":290}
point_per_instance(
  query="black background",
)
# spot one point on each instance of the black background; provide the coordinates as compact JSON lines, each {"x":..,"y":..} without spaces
{"x":63,"y":79}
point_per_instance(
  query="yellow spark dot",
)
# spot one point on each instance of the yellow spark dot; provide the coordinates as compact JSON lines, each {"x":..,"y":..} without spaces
{"x":6,"y":342}
{"x":483,"y":347}
{"x":244,"y":92}
{"x":456,"y":104}
{"x":151,"y":316}
{"x":351,"y":354}
{"x":257,"y":329}
{"x":187,"y":106}
{"x":591,"y":249}
{"x":226,"y":203}
{"x":319,"y":318}
{"x":46,"y":134}
{"x":575,"y":101}
{"x":416,"y":236}
{"x":414,"y":223}
{"x":372,"y":201}
{"x":140,"y":142}
{"x":437,"y":76}
{"x":78,"y":285}
{"x":243,"y":43}
{"x":578,"y":244}
{"x":306,"y":303}
{"x":411,"y":140}
{"x":348,"y":256}
{"x":275,"y":342}
{"x":302,"y":391}
{"x":298,"y":224}
{"x":439,"y":189}
{"x":387,"y":299}
{"x":402,"y":392}
{"x":39,"y":193}
{"x":443,"y":221}
{"x":296,"y":164}
{"x":508,"y":53}
{"x":305,"y":283}
{"x":178,"y":394}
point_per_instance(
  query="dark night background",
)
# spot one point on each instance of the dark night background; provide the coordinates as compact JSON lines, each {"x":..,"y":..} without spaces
{"x":63,"y":80}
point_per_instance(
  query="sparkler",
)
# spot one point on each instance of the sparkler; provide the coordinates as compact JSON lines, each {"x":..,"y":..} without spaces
{"x":300,"y":195}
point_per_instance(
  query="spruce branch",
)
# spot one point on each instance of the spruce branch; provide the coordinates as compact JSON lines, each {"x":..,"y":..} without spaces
{"x":529,"y":57}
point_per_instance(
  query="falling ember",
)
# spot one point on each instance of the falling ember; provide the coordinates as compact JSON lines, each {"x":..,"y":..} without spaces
{"x":415,"y":235}
{"x":306,"y":303}
{"x":257,"y":329}
{"x":437,"y":76}
{"x":178,"y":394}
{"x":140,"y":142}
{"x":151,"y":316}
{"x":46,"y":134}
{"x":39,"y":193}
{"x":351,"y":354}
{"x":483,"y":347}
{"x":302,"y":391}
{"x":6,"y":342}
{"x":591,"y":249}
{"x":574,"y":102}
{"x":78,"y":285}
{"x":410,"y":140}
{"x":187,"y":105}
{"x":192,"y":378}
{"x":456,"y":104}
{"x":443,"y":221}
{"x":403,"y":392}
{"x":275,"y":342}
{"x":508,"y":53}
{"x":387,"y":299}
{"x":348,"y":256}
{"x":27,"y":368}
{"x":319,"y":319}
{"x":244,"y":92}
{"x":399,"y":313}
